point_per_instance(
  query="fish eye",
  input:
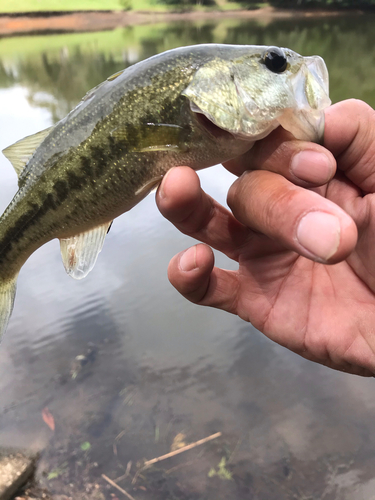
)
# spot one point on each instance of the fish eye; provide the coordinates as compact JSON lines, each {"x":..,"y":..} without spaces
{"x":275,"y":60}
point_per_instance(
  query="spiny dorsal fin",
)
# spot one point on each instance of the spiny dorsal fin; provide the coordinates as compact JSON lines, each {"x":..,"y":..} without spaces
{"x":115,"y":75}
{"x":79,"y":253}
{"x":21,"y":151}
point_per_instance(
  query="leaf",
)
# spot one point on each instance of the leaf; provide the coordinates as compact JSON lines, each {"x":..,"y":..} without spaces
{"x":58,"y":471}
{"x":48,"y":418}
{"x":212,"y":472}
{"x":178,"y":442}
{"x":85,"y":446}
{"x":54,"y":474}
{"x":222,"y":472}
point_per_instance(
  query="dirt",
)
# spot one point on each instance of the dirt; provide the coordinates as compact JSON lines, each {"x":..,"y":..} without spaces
{"x":99,"y":21}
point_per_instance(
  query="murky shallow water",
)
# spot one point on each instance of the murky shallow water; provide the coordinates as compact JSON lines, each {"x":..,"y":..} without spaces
{"x":153,"y":369}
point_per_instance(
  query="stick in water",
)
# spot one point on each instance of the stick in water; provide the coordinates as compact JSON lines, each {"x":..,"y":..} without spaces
{"x":181,"y":450}
{"x":112,"y":483}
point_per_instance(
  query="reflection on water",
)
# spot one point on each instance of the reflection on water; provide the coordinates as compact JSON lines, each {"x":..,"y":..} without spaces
{"x":123,"y":363}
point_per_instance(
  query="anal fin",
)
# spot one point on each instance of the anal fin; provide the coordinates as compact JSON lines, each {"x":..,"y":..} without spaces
{"x":7,"y":294}
{"x":79,"y":252}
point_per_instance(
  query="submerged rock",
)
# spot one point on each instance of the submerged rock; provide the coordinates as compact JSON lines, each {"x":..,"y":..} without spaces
{"x":16,"y":467}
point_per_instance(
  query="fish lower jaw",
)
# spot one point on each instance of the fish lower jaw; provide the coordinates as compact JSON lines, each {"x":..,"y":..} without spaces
{"x":305,"y":125}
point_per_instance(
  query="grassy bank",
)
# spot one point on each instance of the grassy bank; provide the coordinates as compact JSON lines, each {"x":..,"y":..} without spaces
{"x":15,"y":6}
{"x":110,"y":44}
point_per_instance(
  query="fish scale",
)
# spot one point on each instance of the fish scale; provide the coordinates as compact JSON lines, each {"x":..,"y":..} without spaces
{"x":195,"y":106}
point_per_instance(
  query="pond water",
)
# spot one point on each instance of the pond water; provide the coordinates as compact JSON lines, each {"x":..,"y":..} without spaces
{"x":126,"y":367}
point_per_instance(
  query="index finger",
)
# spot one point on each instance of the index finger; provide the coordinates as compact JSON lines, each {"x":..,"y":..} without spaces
{"x":304,"y":163}
{"x":350,"y":135}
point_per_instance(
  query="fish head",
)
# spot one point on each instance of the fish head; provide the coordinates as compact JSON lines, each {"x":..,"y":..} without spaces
{"x":256,"y":90}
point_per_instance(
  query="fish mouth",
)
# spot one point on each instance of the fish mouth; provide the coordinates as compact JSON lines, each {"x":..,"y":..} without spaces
{"x":210,"y":127}
{"x":207,"y":123}
{"x":310,"y":87}
{"x":304,"y":125}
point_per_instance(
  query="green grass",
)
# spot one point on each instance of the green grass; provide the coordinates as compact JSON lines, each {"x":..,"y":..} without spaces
{"x":8,"y":6}
{"x":57,"y":5}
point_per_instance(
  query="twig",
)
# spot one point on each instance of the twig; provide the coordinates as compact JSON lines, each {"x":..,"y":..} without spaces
{"x":112,"y":483}
{"x":137,"y":474}
{"x":117,"y":438}
{"x":127,"y":472}
{"x":120,"y":435}
{"x":181,"y":450}
{"x":179,"y":466}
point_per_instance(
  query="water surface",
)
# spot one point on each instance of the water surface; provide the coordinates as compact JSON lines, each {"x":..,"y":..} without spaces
{"x":123,"y":363}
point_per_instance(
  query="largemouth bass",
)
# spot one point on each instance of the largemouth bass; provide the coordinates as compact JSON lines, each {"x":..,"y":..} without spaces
{"x":195,"y":106}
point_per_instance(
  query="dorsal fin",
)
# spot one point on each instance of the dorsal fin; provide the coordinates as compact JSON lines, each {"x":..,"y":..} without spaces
{"x":115,"y":75}
{"x":79,"y":252}
{"x":21,"y":151}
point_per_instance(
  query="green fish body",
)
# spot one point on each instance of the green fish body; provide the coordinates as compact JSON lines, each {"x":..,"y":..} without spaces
{"x":195,"y":106}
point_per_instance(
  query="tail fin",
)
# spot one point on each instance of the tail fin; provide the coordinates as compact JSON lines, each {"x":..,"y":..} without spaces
{"x":7,"y":294}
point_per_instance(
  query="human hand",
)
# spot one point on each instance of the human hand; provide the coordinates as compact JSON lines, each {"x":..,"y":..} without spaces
{"x":283,"y":231}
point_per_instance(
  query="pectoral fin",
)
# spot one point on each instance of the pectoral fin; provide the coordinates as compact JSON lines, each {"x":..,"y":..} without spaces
{"x":152,"y":137}
{"x":149,"y":186}
{"x":21,"y":151}
{"x":79,"y":253}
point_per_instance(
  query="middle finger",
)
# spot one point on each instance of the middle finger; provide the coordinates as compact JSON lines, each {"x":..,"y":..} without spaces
{"x":299,"y":219}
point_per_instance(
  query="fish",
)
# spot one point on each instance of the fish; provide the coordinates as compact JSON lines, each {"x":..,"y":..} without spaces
{"x":196,"y":106}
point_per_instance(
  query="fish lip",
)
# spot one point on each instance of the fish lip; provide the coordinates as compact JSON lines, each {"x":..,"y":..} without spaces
{"x":310,"y":86}
{"x":317,"y":67}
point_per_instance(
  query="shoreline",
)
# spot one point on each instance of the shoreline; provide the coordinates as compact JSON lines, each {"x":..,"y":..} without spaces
{"x":83,"y":21}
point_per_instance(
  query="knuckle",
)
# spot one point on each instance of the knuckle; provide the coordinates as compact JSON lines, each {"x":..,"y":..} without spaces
{"x":241,"y":192}
{"x":359,"y":106}
{"x":198,"y":216}
{"x":274,"y":153}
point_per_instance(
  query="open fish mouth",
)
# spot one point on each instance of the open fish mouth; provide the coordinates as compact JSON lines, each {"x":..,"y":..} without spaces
{"x":209,"y":125}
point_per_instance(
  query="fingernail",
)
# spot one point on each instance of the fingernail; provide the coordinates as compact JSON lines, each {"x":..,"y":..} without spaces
{"x":319,"y":234}
{"x":311,"y":166}
{"x":188,"y":260}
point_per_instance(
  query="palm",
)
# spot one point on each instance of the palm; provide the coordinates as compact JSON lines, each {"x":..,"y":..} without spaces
{"x":324,"y":313}
{"x":307,"y":307}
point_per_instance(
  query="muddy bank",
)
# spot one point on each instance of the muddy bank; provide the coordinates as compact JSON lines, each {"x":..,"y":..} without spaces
{"x":99,"y":21}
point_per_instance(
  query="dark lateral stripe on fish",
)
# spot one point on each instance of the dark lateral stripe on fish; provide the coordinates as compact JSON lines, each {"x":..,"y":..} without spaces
{"x":93,"y":167}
